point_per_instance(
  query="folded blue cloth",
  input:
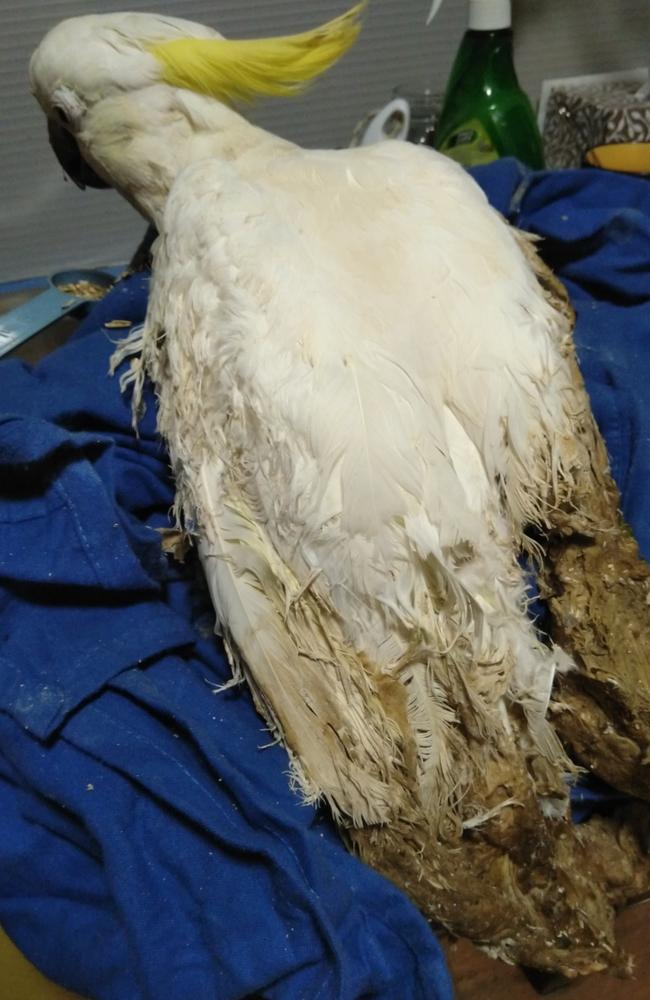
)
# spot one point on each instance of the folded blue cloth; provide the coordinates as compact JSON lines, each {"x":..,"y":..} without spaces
{"x":149,"y":844}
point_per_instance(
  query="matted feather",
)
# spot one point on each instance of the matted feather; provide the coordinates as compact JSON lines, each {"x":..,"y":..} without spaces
{"x":369,"y":394}
{"x":231,"y":69}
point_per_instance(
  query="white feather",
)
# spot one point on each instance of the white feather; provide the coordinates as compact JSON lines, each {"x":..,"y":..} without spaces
{"x":365,"y":398}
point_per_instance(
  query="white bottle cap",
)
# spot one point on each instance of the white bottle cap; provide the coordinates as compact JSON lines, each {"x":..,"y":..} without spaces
{"x":490,"y":15}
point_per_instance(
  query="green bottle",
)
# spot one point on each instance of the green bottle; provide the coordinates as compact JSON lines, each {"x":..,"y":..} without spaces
{"x":485,"y":113}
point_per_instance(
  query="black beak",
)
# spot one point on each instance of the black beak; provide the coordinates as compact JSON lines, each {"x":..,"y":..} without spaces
{"x":69,"y":156}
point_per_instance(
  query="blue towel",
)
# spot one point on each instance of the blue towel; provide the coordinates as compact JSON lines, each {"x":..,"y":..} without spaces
{"x":149,"y":844}
{"x":150,"y":847}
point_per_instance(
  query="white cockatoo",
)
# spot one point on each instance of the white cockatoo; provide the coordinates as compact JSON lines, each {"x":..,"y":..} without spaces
{"x":367,"y":386}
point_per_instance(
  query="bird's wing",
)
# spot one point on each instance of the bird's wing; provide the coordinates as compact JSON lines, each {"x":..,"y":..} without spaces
{"x":353,"y":366}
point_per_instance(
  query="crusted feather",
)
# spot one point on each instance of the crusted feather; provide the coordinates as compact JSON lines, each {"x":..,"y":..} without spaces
{"x":367,"y":397}
{"x":377,"y":458}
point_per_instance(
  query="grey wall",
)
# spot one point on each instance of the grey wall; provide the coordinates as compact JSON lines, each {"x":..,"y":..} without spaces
{"x":47,"y":224}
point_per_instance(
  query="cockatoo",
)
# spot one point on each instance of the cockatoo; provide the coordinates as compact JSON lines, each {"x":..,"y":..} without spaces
{"x":367,"y":385}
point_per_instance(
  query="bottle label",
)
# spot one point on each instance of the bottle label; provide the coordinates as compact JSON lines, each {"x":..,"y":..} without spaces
{"x":470,"y":145}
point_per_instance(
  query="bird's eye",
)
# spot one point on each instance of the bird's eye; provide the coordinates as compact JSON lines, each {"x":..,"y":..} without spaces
{"x":62,"y":116}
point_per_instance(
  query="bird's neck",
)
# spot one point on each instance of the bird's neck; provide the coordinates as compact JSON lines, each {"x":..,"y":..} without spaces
{"x":141,"y":142}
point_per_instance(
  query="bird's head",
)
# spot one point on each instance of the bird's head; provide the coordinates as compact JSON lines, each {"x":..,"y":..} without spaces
{"x":104,"y":81}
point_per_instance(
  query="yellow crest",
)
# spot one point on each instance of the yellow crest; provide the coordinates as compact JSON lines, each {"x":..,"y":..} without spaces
{"x":242,"y":70}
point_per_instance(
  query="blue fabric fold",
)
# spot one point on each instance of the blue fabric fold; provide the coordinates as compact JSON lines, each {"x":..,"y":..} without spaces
{"x":150,"y":844}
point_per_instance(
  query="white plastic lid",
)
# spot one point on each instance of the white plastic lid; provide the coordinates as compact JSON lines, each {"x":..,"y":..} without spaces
{"x":490,"y":15}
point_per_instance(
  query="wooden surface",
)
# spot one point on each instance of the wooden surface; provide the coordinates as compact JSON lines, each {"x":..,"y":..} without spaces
{"x":21,"y":981}
{"x":477,"y":977}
